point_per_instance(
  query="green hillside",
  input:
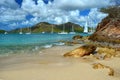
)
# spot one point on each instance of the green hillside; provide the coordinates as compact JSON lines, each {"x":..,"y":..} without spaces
{"x":47,"y":27}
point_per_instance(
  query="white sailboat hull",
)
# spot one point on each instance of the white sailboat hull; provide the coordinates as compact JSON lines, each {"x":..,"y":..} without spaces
{"x":72,"y":33}
{"x":63,"y":33}
{"x":27,"y":33}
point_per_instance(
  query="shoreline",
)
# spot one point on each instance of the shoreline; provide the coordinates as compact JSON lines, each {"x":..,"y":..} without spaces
{"x":50,"y":64}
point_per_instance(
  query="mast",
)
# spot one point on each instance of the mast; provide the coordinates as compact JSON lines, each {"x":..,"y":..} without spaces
{"x":63,"y":27}
{"x":86,"y":28}
{"x":72,"y":28}
{"x":20,"y":31}
{"x":30,"y":29}
{"x":52,"y":29}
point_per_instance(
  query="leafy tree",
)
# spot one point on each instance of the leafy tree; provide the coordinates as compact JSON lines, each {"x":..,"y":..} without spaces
{"x":114,"y":11}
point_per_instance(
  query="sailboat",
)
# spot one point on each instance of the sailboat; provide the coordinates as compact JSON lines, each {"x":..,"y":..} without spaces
{"x":91,"y":30}
{"x":43,"y":32}
{"x":72,"y":30}
{"x":63,"y":32}
{"x":21,"y":31}
{"x":6,"y":33}
{"x":52,"y":31}
{"x":29,"y":31}
{"x":86,"y":27}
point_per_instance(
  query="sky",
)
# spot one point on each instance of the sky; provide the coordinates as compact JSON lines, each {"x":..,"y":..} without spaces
{"x":24,"y":13}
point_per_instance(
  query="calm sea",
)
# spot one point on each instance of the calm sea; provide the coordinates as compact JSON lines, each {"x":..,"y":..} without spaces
{"x":32,"y":43}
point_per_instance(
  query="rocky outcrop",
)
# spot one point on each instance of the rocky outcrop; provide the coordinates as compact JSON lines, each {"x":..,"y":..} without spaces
{"x":109,"y":29}
{"x":81,"y":51}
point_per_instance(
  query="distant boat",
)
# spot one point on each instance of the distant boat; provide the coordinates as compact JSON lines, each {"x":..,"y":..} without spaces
{"x":43,"y":32}
{"x":6,"y":33}
{"x":91,"y":31}
{"x":86,"y":27}
{"x":21,"y":31}
{"x":63,"y":32}
{"x":29,"y":31}
{"x":72,"y":30}
{"x":52,"y":30}
{"x":72,"y":33}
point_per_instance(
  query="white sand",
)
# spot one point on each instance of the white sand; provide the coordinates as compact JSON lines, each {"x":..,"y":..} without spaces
{"x":49,"y":64}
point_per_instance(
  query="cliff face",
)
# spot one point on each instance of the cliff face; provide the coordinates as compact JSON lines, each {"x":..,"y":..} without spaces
{"x":109,"y":29}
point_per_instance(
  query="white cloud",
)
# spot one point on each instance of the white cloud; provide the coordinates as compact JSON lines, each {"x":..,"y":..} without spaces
{"x":57,"y":12}
{"x":95,"y":16}
{"x":52,"y":12}
{"x":81,"y":4}
{"x":10,"y":11}
{"x":7,"y":14}
{"x":9,"y":4}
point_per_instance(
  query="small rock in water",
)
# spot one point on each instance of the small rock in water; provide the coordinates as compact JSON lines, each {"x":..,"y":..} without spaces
{"x":81,"y":51}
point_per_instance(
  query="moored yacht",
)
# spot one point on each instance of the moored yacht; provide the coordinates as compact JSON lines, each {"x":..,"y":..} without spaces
{"x":6,"y":33}
{"x":52,"y":29}
{"x":63,"y":32}
{"x":86,"y":27}
{"x":72,"y":32}
{"x":29,"y":31}
{"x":21,"y":31}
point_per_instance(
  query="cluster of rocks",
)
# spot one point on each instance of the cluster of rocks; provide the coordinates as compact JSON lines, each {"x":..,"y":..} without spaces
{"x":105,"y":41}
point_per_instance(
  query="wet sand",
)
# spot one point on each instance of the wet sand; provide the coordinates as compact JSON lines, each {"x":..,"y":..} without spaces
{"x":49,"y":64}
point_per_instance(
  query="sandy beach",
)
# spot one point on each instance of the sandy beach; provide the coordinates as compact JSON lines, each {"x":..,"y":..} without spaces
{"x":49,"y":64}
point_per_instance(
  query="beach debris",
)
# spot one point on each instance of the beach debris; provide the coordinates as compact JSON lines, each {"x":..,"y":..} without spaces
{"x":81,"y":51}
{"x":101,"y":66}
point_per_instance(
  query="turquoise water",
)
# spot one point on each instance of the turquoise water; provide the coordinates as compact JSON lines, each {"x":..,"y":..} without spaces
{"x":16,"y":43}
{"x":33,"y":39}
{"x":22,"y":43}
